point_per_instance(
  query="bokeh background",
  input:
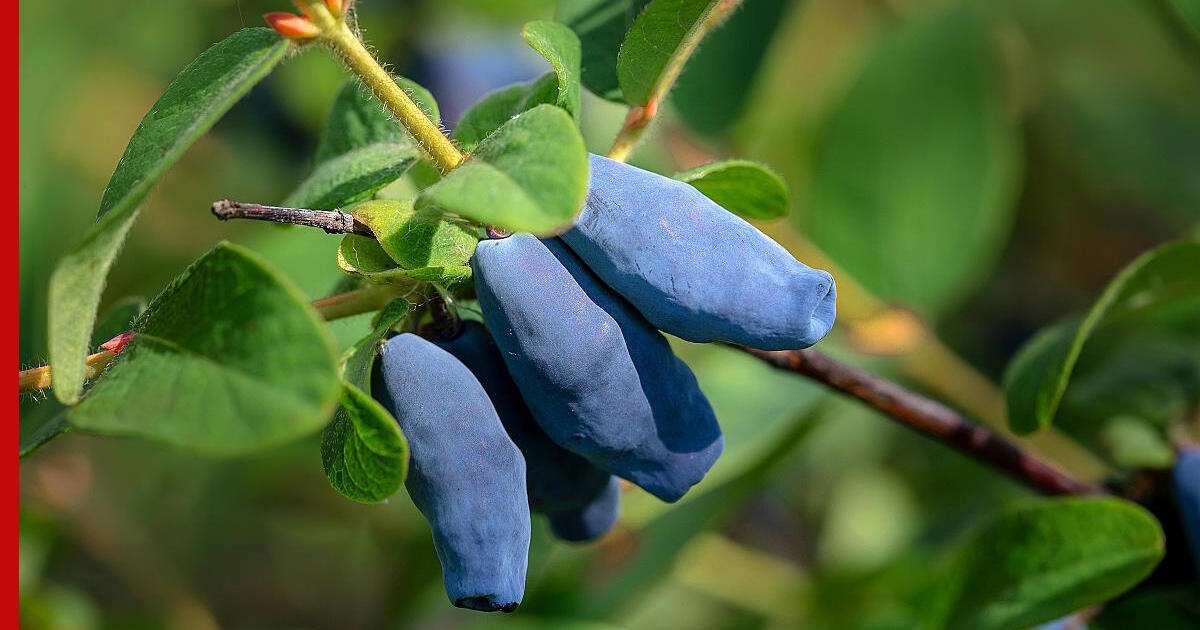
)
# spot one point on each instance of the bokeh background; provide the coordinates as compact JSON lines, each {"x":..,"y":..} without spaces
{"x":974,"y":171}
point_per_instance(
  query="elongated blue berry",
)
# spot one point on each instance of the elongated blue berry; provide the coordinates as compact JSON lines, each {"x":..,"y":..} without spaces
{"x":557,"y":479}
{"x":1187,"y":493}
{"x":694,"y":269}
{"x":598,"y":378}
{"x":592,"y":520}
{"x":465,"y":474}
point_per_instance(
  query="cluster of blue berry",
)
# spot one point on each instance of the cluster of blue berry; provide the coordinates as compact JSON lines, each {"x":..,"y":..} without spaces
{"x":571,"y":385}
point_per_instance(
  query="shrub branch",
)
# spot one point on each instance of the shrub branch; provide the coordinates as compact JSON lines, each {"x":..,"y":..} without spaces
{"x":332,"y":221}
{"x":929,"y":418}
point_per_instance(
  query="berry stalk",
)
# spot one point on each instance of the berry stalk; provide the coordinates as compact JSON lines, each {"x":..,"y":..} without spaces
{"x":338,"y":36}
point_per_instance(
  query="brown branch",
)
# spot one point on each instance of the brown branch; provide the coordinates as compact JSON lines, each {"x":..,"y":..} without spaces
{"x":929,"y":418}
{"x":332,"y":221}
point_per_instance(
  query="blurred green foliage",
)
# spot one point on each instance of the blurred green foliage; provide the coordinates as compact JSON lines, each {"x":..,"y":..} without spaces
{"x":992,"y":165}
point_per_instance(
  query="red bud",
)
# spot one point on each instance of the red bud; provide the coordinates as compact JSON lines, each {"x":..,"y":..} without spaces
{"x":292,"y":26}
{"x":116,"y":344}
{"x":335,"y":7}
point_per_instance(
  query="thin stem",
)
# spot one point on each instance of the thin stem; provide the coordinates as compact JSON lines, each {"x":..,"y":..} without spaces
{"x":330,"y":308}
{"x":930,"y":418}
{"x":640,"y":117}
{"x":355,"y":302}
{"x":332,"y":221}
{"x":38,"y":378}
{"x":337,"y":34}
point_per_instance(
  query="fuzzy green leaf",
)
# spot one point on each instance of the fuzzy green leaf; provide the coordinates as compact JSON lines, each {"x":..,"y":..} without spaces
{"x":49,"y":429}
{"x":1037,"y":377}
{"x":658,"y":35}
{"x":531,"y":175}
{"x":192,"y":103}
{"x":559,"y":45}
{"x":364,"y":258}
{"x":601,"y":26}
{"x":358,"y":119}
{"x":229,"y":359}
{"x":500,"y":106}
{"x":418,"y":238}
{"x":921,"y":161}
{"x":1188,"y":13}
{"x":357,"y":371}
{"x":720,"y":78}
{"x":745,"y":188}
{"x":363,"y":452}
{"x":354,"y":176}
{"x":48,"y":419}
{"x":1040,"y":562}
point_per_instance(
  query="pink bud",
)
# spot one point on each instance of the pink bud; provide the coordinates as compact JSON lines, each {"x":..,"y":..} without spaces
{"x":116,"y":344}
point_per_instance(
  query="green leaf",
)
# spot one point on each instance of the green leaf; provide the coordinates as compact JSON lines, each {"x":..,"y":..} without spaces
{"x":119,"y":318}
{"x":363,"y":257}
{"x":353,"y":176}
{"x":921,"y":161}
{"x":658,"y":35}
{"x":51,"y":428}
{"x":48,"y":419}
{"x":1188,"y":12}
{"x":363,"y":451}
{"x":1040,"y":562}
{"x":531,"y":175}
{"x":745,"y":188}
{"x":364,"y":454}
{"x":357,"y":371}
{"x":720,"y":77}
{"x":192,"y":103}
{"x":1149,"y":373}
{"x":1171,"y":608}
{"x":498,"y":107}
{"x":1037,"y":377}
{"x":1134,"y":444}
{"x":559,"y":45}
{"x":229,"y":359}
{"x":420,"y":239}
{"x":358,"y":119}
{"x":601,"y":26}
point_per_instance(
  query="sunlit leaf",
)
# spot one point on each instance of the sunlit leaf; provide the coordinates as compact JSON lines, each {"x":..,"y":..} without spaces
{"x":192,"y":103}
{"x":229,"y":359}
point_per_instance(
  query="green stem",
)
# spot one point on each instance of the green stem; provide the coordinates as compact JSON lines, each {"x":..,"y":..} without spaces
{"x":640,"y":116}
{"x":356,"y":302}
{"x":337,"y":34}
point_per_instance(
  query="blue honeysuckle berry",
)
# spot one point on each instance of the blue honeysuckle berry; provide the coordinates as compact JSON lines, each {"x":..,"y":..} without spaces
{"x":465,"y":474}
{"x":592,"y":520}
{"x":598,"y":378}
{"x":1186,"y":478}
{"x":557,"y":480}
{"x":694,"y":269}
